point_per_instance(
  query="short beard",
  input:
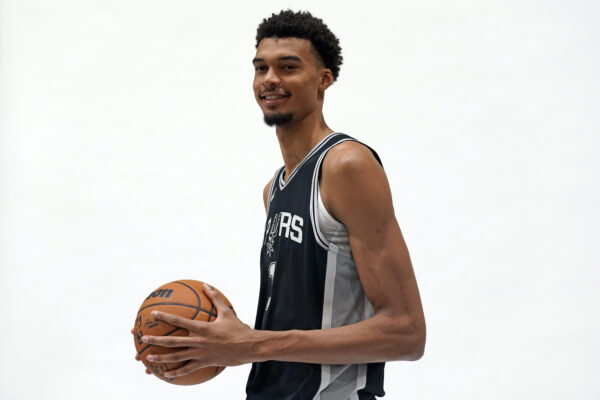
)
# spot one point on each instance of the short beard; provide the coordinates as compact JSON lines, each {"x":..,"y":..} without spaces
{"x":278,"y":119}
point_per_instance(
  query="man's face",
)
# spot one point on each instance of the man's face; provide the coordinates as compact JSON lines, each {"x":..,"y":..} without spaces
{"x":287,"y":79}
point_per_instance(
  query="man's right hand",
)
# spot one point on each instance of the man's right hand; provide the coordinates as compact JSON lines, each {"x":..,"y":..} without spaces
{"x":137,"y":356}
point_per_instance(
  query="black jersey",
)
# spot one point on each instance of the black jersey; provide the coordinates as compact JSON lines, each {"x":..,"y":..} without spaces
{"x":308,"y":283}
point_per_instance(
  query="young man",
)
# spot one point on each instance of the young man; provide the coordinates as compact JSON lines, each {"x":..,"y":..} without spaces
{"x":338,"y":294}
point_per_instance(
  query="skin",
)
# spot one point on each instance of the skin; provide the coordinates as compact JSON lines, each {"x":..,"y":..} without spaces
{"x":356,"y":192}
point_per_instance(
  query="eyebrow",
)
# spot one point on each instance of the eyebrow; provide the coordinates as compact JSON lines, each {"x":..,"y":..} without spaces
{"x":293,"y":58}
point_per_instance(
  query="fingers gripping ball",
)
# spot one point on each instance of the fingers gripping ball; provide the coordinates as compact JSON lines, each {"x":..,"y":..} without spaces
{"x":185,"y":298}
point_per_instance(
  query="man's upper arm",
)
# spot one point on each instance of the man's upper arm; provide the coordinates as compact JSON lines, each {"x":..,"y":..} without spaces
{"x":356,"y":192}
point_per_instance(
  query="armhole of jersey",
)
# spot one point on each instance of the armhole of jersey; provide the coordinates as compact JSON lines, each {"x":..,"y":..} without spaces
{"x":314,"y":197}
{"x":314,"y":192}
{"x":272,"y":188}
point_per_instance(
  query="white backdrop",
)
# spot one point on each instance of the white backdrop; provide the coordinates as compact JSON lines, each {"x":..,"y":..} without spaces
{"x":132,"y":154}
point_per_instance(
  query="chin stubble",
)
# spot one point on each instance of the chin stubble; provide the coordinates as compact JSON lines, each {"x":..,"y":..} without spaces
{"x":278,"y":119}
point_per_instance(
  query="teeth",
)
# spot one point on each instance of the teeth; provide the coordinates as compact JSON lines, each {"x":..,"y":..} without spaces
{"x":273,"y":96}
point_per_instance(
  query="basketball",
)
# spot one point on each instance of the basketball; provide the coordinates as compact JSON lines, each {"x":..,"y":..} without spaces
{"x":185,"y":298}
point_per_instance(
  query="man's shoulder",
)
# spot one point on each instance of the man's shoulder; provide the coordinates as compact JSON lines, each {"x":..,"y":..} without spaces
{"x":349,"y":156}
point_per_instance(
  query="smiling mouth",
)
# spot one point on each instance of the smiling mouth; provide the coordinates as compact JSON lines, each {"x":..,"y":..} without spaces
{"x":273,"y":96}
{"x":272,"y":99}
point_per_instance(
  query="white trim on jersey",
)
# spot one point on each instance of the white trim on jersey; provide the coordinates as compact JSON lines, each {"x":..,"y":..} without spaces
{"x":272,"y":188}
{"x":328,"y":311}
{"x":329,"y":285}
{"x":282,"y":183}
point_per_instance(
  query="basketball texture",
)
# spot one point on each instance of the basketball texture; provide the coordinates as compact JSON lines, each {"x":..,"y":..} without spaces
{"x":185,"y":298}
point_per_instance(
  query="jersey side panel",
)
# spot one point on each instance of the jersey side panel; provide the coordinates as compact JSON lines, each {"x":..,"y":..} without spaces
{"x":346,"y":303}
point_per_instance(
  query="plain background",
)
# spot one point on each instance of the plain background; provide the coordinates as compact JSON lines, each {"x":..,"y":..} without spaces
{"x":133,"y":154}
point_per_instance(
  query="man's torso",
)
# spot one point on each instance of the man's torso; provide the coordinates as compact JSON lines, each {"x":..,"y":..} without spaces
{"x":308,"y":282}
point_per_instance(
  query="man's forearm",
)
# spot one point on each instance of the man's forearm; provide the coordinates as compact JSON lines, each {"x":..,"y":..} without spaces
{"x":377,"y":339}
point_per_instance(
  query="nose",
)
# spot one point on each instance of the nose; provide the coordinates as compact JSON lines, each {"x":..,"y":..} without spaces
{"x":271,"y":78}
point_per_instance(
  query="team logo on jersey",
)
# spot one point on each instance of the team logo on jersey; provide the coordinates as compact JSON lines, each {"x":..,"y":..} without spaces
{"x":274,"y":224}
{"x":283,"y":224}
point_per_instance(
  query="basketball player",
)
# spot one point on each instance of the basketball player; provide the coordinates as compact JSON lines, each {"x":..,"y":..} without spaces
{"x":338,"y":295}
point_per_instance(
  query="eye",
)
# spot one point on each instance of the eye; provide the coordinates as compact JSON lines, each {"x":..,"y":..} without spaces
{"x":288,"y":67}
{"x":260,"y":68}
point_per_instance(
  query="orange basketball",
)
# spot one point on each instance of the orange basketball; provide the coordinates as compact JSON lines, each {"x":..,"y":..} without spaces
{"x":185,"y":298}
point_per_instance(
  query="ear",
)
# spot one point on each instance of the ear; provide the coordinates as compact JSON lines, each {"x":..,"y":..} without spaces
{"x":326,"y":79}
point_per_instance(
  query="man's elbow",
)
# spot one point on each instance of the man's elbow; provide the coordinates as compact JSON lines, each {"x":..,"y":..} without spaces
{"x":418,"y":346}
{"x":411,"y":341}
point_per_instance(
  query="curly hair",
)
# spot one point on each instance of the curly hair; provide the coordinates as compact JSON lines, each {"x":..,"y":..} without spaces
{"x":303,"y":25}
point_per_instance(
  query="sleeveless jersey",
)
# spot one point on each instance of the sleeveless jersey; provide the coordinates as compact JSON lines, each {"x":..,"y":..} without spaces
{"x":308,"y":283}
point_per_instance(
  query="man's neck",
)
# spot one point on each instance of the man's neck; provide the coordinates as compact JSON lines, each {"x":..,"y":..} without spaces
{"x":298,"y":138}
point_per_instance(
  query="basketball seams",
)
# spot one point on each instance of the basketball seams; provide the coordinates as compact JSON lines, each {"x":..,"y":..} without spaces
{"x":197,"y":297}
{"x":211,"y":314}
